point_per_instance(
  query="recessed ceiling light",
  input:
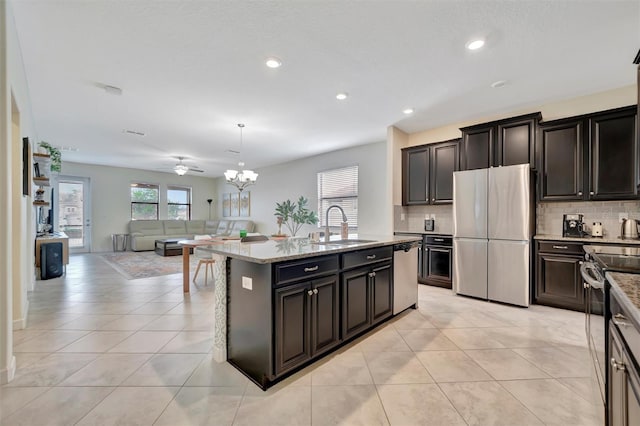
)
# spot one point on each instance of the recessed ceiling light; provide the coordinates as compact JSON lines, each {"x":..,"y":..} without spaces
{"x":498,"y":84}
{"x":273,"y":62}
{"x":407,"y":111}
{"x":342,"y":96}
{"x":475,"y":44}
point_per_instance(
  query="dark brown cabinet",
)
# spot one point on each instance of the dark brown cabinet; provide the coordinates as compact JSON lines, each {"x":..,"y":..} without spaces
{"x":559,"y":282}
{"x":500,"y":143}
{"x":590,"y":157}
{"x":307,"y":321}
{"x":427,"y":173}
{"x":367,"y":297}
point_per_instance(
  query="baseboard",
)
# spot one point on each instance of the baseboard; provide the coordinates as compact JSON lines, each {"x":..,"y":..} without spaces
{"x":21,"y":323}
{"x":220,"y":354}
{"x":6,"y":375}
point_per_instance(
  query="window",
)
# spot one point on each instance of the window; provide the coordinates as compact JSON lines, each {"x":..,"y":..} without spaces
{"x":178,"y":203}
{"x":338,"y":186}
{"x":144,"y":201}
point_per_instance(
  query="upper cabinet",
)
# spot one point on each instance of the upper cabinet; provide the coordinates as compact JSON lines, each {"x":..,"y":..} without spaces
{"x":427,"y":173}
{"x":500,"y":143}
{"x":590,"y":157}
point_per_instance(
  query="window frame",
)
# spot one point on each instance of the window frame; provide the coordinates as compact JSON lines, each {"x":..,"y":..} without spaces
{"x":189,"y":203}
{"x":148,"y":186}
{"x":335,"y":199}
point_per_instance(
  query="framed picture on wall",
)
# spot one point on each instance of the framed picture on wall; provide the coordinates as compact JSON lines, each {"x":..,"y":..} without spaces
{"x":226,"y":205}
{"x":235,"y":204}
{"x":245,"y":204}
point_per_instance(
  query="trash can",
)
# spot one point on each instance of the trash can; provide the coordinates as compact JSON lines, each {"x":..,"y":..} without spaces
{"x":120,"y":242}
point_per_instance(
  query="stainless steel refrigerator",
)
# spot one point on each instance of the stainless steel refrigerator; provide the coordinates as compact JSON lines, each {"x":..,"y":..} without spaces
{"x":492,"y":229}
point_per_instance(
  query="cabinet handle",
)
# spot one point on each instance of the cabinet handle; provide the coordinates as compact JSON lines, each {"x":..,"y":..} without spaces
{"x":433,"y":200}
{"x":560,"y":247}
{"x":315,"y":268}
{"x":310,"y":292}
{"x":440,"y":240}
{"x":591,"y":193}
{"x":315,"y":291}
{"x":619,"y":320}
{"x":373,"y":274}
{"x":580,"y":193}
{"x":585,"y":285}
{"x":618,"y":366}
{"x":371,"y":257}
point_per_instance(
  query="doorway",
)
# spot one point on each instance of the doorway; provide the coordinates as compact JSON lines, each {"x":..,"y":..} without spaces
{"x":72,"y":214}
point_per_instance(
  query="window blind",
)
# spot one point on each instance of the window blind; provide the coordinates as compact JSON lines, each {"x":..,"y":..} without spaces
{"x":340,"y":187}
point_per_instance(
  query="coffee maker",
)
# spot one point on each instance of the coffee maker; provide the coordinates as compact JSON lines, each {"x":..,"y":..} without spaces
{"x":573,"y":225}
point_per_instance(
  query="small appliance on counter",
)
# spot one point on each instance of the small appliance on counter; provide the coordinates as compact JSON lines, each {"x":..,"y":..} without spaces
{"x":629,"y":229}
{"x":573,"y":225}
{"x":429,"y":224}
{"x":596,"y":229}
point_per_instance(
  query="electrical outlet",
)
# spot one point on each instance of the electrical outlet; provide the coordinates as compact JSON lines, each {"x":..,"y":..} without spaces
{"x":402,"y":217}
{"x":622,"y":216}
{"x":247,"y":283}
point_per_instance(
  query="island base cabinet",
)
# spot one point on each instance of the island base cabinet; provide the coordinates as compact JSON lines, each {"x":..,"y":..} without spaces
{"x":307,"y":321}
{"x":367,"y":295}
{"x":623,"y":383}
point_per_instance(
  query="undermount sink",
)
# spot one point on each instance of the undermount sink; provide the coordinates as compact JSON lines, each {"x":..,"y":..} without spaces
{"x":345,"y":242}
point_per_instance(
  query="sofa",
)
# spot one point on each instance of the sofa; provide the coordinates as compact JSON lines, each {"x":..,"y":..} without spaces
{"x":144,"y":233}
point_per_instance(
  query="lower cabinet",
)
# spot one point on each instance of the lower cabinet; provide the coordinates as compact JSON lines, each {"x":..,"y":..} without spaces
{"x":367,"y":297}
{"x":558,"y":281}
{"x":623,"y":383}
{"x":307,"y":321}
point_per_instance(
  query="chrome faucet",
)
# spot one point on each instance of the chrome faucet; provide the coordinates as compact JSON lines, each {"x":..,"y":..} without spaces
{"x":326,"y":221}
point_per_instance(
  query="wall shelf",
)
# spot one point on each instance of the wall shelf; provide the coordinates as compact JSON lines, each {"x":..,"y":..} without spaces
{"x":41,"y":203}
{"x":41,"y":181}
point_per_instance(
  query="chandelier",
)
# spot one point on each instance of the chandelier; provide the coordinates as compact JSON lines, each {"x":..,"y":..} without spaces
{"x":243,"y":178}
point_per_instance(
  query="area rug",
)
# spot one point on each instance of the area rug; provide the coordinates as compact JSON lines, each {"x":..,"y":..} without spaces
{"x":133,"y":265}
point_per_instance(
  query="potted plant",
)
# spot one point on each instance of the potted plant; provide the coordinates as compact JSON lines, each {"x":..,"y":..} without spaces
{"x":294,"y":215}
{"x":56,"y":156}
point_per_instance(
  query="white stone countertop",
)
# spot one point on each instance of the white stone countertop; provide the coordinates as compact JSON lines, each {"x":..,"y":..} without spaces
{"x":278,"y":250}
{"x":588,"y":240}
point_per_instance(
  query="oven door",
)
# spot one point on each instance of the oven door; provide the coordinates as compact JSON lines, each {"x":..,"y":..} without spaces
{"x":594,"y":320}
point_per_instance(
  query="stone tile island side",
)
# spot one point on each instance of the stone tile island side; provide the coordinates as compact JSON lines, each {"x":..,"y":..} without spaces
{"x":279,"y":303}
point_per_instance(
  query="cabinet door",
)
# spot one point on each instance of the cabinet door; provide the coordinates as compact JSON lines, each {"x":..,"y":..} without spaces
{"x":559,"y":282}
{"x":444,"y":161}
{"x":562,"y":161}
{"x":633,"y":392}
{"x":356,"y":304}
{"x":415,"y":176}
{"x":325,"y":315}
{"x":516,"y":143}
{"x":382,"y":293}
{"x":477,"y":148}
{"x":615,"y":380}
{"x":614,"y":156}
{"x":293,"y":343}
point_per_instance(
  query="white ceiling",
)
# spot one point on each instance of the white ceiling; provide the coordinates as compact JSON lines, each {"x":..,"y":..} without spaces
{"x":191,"y":70}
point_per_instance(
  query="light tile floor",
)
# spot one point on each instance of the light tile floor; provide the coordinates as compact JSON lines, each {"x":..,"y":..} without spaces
{"x":103,"y":350}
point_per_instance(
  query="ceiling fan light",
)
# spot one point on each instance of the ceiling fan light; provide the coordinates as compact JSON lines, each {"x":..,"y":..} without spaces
{"x":180,"y":169}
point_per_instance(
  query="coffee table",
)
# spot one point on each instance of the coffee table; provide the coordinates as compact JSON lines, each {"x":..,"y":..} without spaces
{"x":169,"y":247}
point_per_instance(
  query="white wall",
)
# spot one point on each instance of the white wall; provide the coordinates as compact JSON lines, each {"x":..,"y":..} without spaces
{"x":16,"y":211}
{"x":299,"y":177}
{"x":111,"y":199}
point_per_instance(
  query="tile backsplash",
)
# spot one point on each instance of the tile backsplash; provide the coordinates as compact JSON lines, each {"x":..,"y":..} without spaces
{"x":414,"y":217}
{"x":549,"y":215}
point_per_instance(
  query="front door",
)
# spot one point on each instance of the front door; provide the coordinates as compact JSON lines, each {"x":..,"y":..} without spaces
{"x":73,"y":212}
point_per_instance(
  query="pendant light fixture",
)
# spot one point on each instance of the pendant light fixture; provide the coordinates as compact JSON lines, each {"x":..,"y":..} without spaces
{"x":243,"y":178}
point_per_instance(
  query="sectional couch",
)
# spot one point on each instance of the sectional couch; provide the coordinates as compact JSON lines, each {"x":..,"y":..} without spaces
{"x":144,"y":233}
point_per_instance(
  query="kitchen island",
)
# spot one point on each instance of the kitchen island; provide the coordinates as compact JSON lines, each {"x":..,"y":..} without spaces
{"x":281,"y":304}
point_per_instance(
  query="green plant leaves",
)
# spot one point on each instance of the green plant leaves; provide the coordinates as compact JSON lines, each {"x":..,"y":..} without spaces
{"x":294,"y":215}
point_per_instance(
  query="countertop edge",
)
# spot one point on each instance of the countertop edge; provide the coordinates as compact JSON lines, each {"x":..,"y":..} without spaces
{"x":590,"y":240}
{"x":622,"y":296}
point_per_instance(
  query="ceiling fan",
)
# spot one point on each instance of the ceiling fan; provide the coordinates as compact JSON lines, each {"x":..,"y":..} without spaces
{"x":180,"y":168}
